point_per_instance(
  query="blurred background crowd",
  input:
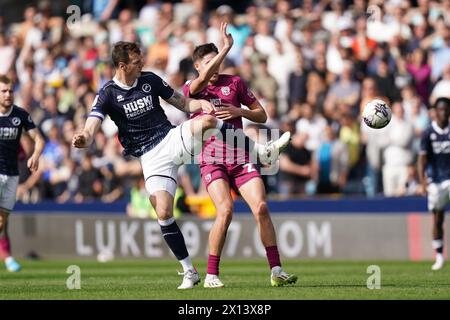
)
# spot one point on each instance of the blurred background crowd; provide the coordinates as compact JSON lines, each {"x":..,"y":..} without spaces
{"x":313,"y":64}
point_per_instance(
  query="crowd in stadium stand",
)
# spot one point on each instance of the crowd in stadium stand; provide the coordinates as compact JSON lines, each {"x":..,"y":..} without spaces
{"x":313,"y":64}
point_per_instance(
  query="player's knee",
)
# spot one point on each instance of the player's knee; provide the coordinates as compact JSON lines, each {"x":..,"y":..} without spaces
{"x":225,"y":213}
{"x":208,"y":122}
{"x":164,"y":214}
{"x":262,"y":210}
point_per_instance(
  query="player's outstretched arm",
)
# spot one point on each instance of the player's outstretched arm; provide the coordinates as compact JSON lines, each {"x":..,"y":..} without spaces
{"x":255,"y":113}
{"x":189,"y":105}
{"x":85,"y":138}
{"x":199,"y":83}
{"x":39,"y":144}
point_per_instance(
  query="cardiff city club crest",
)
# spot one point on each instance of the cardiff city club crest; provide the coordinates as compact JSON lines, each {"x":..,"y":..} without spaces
{"x":225,"y":90}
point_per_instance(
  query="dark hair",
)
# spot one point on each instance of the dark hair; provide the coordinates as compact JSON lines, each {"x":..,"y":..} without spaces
{"x":203,"y":50}
{"x":385,"y":59}
{"x":4,"y":79}
{"x":441,"y":99}
{"x":122,"y":50}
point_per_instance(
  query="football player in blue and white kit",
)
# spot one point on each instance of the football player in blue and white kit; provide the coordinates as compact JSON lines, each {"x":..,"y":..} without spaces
{"x":131,"y":99}
{"x":14,"y":121}
{"x":434,"y":173}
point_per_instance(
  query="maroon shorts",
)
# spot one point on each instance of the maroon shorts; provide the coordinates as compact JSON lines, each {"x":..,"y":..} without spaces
{"x":235,"y":174}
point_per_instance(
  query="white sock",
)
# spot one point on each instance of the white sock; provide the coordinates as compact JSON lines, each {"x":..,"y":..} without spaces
{"x":9,"y":259}
{"x":276,"y":270}
{"x":436,"y":244}
{"x":186,"y":263}
{"x":259,"y":148}
{"x":219,"y":124}
{"x":167,"y":222}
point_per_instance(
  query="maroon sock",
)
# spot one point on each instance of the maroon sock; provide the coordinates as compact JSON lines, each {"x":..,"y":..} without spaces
{"x":213,"y":265}
{"x":5,"y":250}
{"x":273,"y":256}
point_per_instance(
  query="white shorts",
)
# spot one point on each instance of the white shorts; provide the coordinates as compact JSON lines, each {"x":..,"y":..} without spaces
{"x":8,"y":189}
{"x":438,"y":195}
{"x":160,"y":165}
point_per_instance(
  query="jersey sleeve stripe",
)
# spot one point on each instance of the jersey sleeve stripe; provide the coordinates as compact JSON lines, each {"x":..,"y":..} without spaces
{"x":97,"y":115}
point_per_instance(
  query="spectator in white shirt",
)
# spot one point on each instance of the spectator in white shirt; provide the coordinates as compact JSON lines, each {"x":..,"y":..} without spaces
{"x":398,"y":154}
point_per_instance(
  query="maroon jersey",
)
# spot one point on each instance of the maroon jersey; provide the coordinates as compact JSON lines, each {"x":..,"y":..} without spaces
{"x":228,"y":89}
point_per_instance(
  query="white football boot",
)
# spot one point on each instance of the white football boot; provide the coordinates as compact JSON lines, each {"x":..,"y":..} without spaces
{"x":271,"y":151}
{"x":439,"y":262}
{"x":213,"y":281}
{"x":12,"y":265}
{"x":190,"y":279}
{"x":279,"y":278}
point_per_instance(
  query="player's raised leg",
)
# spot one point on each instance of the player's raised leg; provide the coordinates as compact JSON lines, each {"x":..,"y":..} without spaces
{"x":254,"y":194}
{"x":203,"y":127}
{"x":5,"y":247}
{"x":219,"y":191}
{"x":438,"y":238}
{"x":162,"y":201}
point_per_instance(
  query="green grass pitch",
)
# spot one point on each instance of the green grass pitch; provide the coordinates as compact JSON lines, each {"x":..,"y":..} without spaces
{"x":244,"y":279}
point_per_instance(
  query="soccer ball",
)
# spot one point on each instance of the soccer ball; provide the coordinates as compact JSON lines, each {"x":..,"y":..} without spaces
{"x":377,"y":114}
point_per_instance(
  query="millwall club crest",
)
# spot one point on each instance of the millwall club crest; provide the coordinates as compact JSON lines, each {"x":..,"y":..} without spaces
{"x":225,"y":90}
{"x":16,"y":121}
{"x":146,"y":87}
